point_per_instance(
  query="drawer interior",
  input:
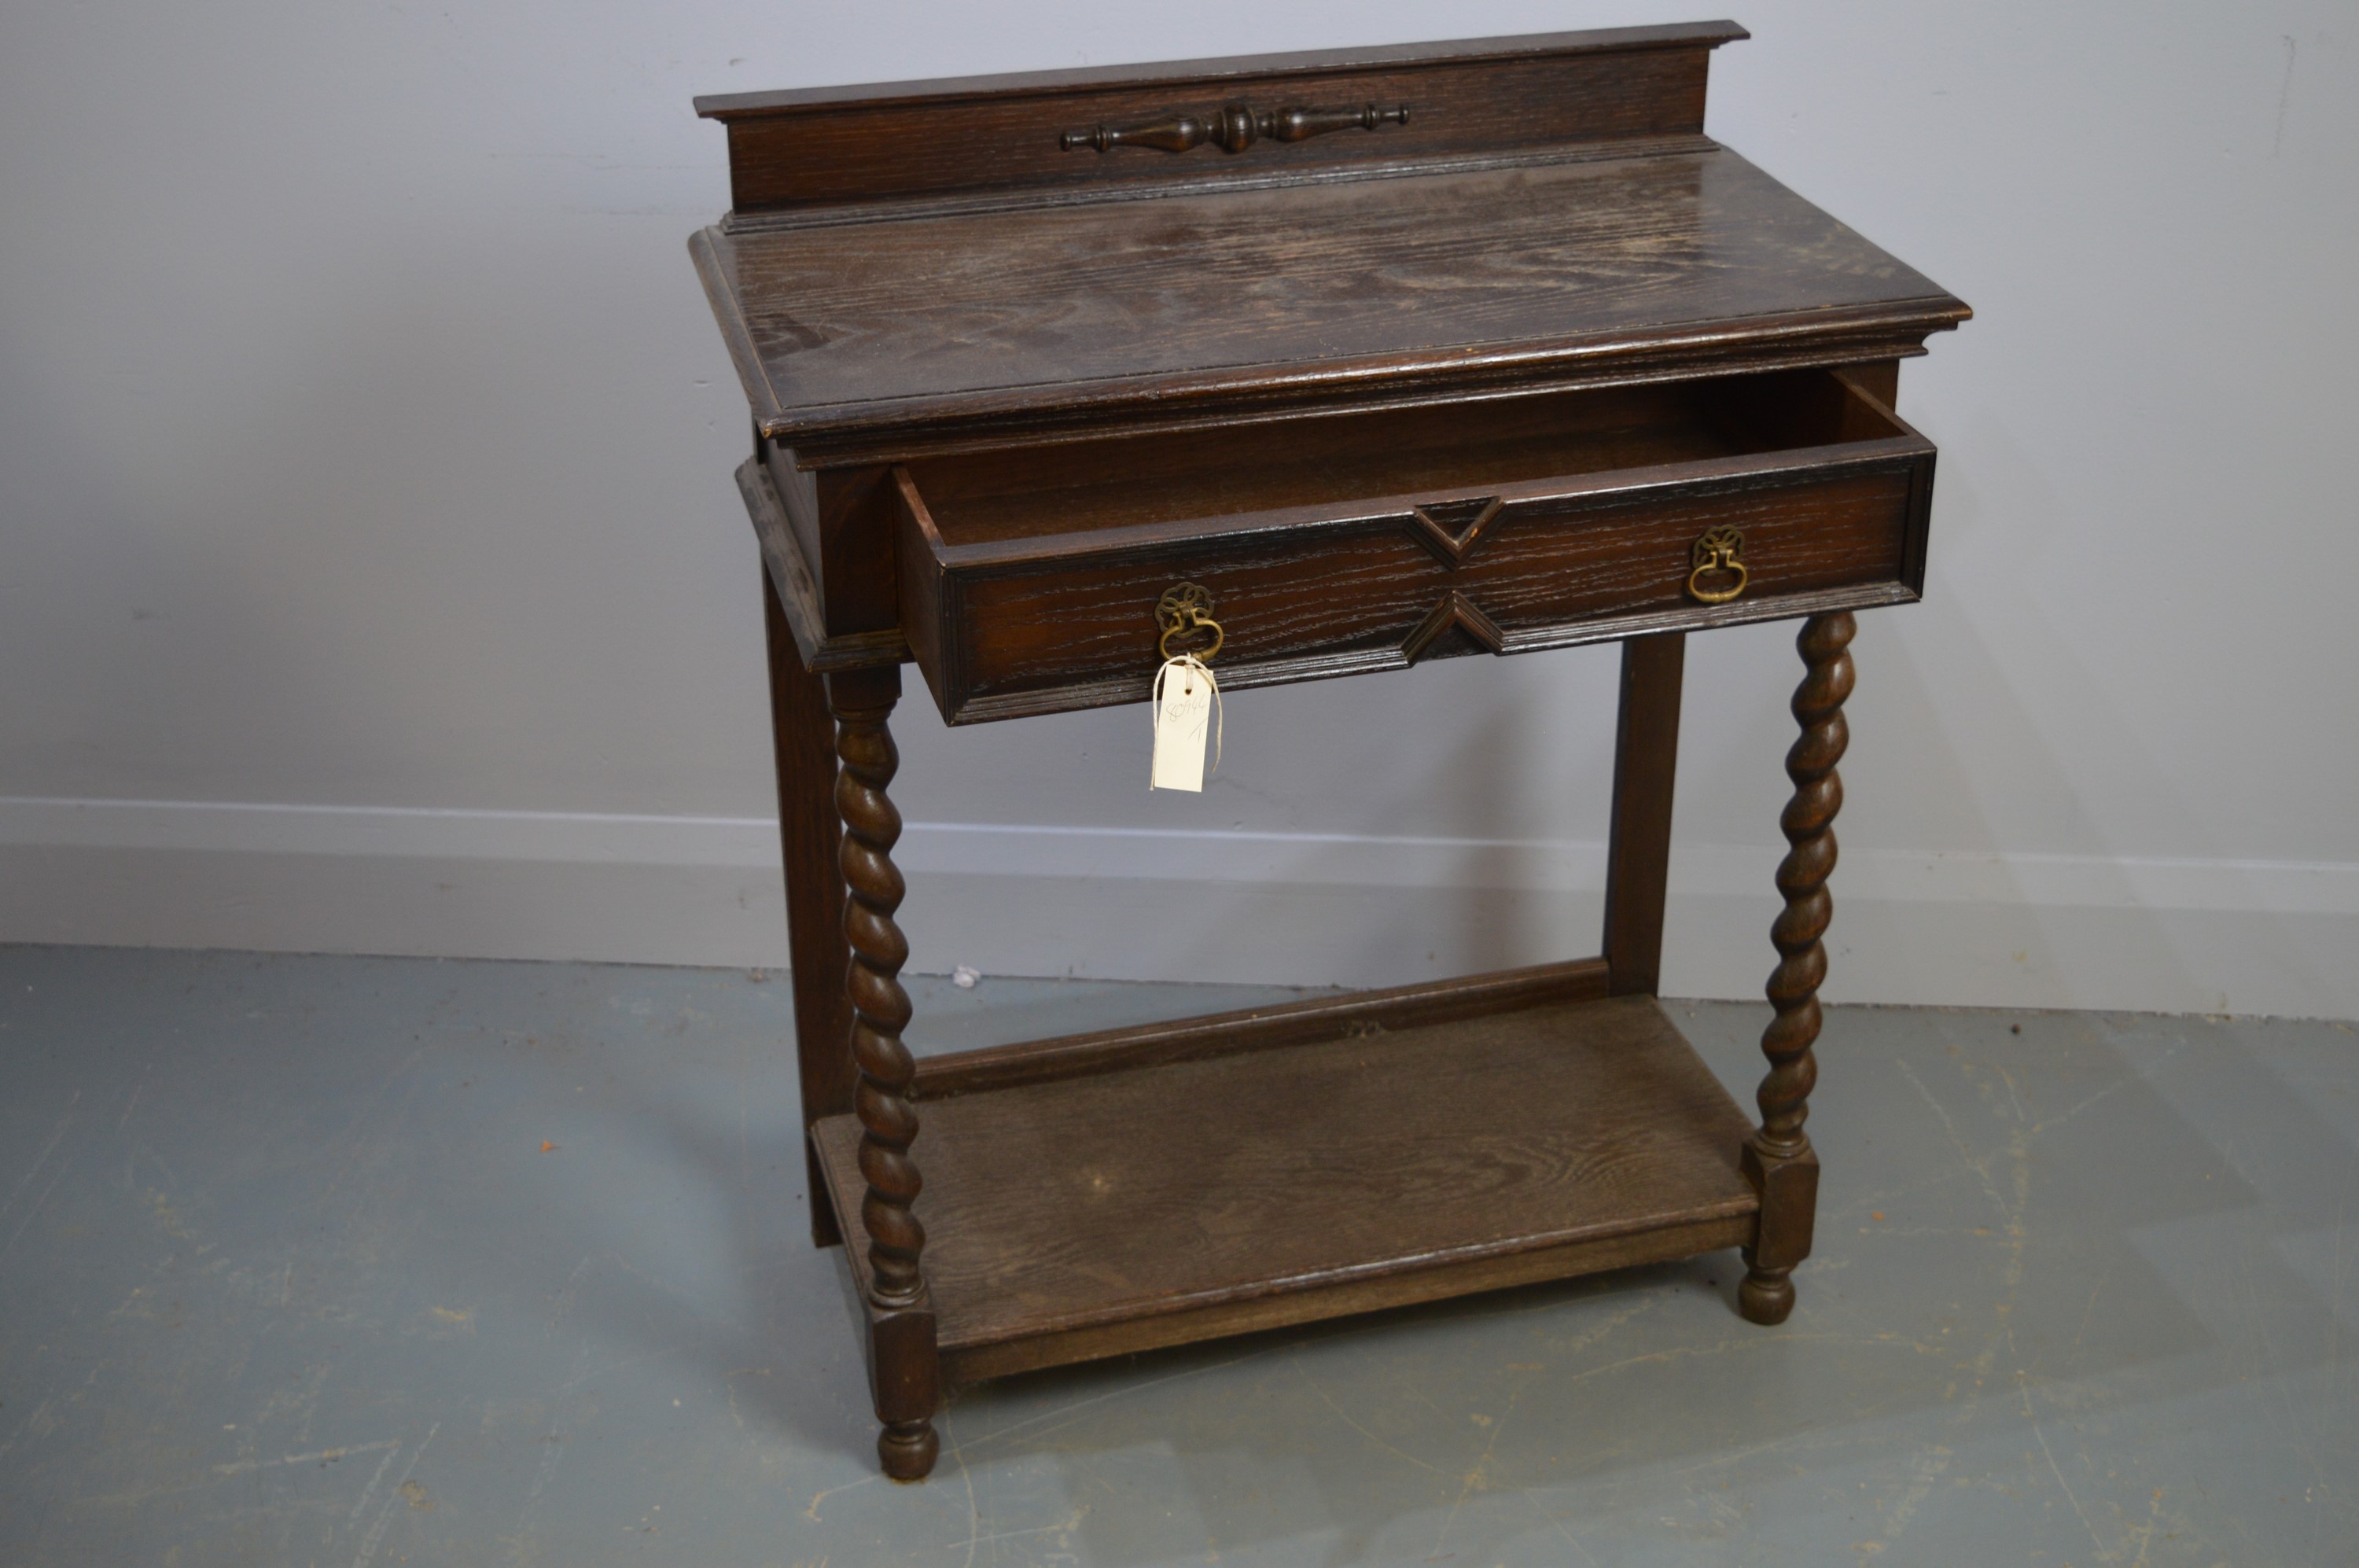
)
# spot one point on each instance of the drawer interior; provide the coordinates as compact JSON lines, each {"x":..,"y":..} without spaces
{"x":1452,"y":450}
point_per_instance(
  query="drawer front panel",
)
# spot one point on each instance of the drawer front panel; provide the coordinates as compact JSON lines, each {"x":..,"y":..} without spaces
{"x":1402,"y":582}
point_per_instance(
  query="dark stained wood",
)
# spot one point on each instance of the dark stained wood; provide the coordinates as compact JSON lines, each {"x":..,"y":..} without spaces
{"x":1354,"y":1013}
{"x":857,"y":593}
{"x":1878,"y":388}
{"x":905,"y":1380}
{"x":1662,"y":1242}
{"x":861,"y":702}
{"x":1044,"y":594}
{"x":794,"y":491}
{"x":1456,"y":624}
{"x":926,"y":605}
{"x":877,"y":340}
{"x":1490,"y":363}
{"x":1226,"y":71}
{"x":826,"y":537}
{"x":796,"y":593}
{"x":1330,"y":662}
{"x":806,"y":156}
{"x":802,"y":738}
{"x":1160,"y":1204}
{"x":1232,"y":128}
{"x":901,"y":1362}
{"x":1638,"y":851}
{"x":1880,"y":379}
{"x":1779,"y":1158}
{"x":1029,"y":500}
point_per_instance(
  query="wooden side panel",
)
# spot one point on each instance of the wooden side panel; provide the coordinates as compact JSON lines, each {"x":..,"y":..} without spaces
{"x":1880,"y":379}
{"x":859,"y":587}
{"x":1442,"y":1280}
{"x":924,"y":585}
{"x":1919,"y":526}
{"x":1877,"y":389}
{"x":1259,"y":1028}
{"x":979,"y":140}
{"x":803,"y":738}
{"x":797,"y":586}
{"x":798,"y":493}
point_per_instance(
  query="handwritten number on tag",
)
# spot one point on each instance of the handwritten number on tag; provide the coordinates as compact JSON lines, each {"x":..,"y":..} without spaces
{"x":1186,"y":714}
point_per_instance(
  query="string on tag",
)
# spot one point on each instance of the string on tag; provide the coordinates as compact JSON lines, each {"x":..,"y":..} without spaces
{"x":1180,"y":714}
{"x":1188,"y":662}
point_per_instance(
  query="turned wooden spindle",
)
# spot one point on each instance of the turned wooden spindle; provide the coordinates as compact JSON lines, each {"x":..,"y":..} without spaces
{"x":880,"y":1007}
{"x":1233,"y":127}
{"x":907,"y":1449}
{"x":1778,"y":1157}
{"x":861,"y":702}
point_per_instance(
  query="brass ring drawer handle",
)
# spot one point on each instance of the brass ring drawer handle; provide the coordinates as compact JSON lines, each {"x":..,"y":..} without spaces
{"x":1720,"y":551}
{"x":1185,"y":608}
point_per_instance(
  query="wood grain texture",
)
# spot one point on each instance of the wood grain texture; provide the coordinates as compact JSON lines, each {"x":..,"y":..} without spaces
{"x":927,"y":604}
{"x":1331,"y":663}
{"x":871,"y":340}
{"x":1028,"y":501}
{"x":803,"y":156}
{"x":802,"y":736}
{"x":1165,"y":1203}
{"x":856,"y":562}
{"x":796,"y":493}
{"x":1638,"y":849}
{"x":1878,"y":379}
{"x":904,"y":1383}
{"x":1477,"y":380}
{"x":796,"y":593}
{"x":1312,"y":1019}
{"x":1045,"y":594}
{"x":1456,"y":624}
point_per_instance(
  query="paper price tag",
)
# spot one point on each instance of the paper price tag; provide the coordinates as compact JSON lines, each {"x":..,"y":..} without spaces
{"x":1187,"y":713}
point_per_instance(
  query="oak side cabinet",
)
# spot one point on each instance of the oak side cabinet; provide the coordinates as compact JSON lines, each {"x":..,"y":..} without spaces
{"x":1334,"y":362}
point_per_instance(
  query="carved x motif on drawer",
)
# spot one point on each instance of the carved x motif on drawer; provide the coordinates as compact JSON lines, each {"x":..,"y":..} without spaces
{"x":1455,"y":617}
{"x":1452,"y":530}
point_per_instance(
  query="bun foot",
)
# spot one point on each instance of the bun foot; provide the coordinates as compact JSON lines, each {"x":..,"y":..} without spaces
{"x":908,"y":1448}
{"x":1766,"y":1297}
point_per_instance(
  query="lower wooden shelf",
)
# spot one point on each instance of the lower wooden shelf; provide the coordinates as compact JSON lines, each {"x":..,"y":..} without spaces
{"x":1093,"y":1216}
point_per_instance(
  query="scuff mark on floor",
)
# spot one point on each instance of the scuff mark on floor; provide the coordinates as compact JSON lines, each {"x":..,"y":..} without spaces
{"x":376,"y":1536}
{"x":324,"y":1456}
{"x":1329,"y":1401}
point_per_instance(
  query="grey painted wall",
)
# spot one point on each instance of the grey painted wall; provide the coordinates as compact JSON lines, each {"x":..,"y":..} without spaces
{"x":366,"y":517}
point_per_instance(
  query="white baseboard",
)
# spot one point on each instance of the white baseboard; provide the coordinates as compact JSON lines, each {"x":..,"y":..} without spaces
{"x":2269,"y":937}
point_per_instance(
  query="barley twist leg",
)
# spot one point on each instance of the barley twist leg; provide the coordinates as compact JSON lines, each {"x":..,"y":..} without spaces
{"x":896,"y":1289}
{"x":1778,"y":1156}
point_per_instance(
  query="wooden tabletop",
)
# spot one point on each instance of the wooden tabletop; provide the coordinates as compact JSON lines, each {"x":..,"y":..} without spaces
{"x":910,"y":331}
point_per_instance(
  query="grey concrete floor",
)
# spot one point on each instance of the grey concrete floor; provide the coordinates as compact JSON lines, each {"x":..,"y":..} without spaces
{"x":368,"y":1261}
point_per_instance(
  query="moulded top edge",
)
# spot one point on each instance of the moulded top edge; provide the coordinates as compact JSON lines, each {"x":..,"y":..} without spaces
{"x":1828,"y":337}
{"x":1596,"y":40}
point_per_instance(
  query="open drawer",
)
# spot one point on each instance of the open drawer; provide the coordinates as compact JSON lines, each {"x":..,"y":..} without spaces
{"x":1029,"y":578}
